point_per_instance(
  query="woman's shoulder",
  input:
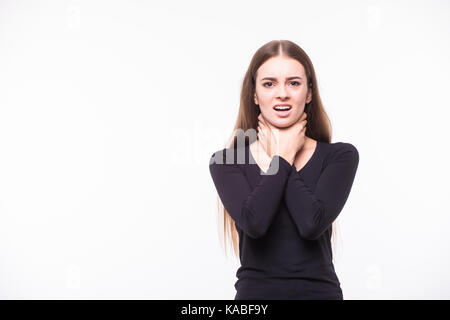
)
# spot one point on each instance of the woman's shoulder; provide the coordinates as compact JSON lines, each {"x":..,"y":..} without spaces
{"x":336,"y":151}
{"x":342,"y":146}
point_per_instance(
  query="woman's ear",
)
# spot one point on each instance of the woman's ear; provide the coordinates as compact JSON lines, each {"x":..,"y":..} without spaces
{"x":256,"y":99}
{"x":309,"y":97}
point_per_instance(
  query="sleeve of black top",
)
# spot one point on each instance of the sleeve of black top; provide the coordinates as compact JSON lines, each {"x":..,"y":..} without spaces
{"x":314,"y":212}
{"x":252,"y":210}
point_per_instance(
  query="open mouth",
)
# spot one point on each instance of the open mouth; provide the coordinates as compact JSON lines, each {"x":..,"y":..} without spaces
{"x":282,"y":111}
{"x":282,"y":108}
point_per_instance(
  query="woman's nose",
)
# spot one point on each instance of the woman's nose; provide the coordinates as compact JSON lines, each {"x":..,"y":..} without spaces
{"x":282,"y":93}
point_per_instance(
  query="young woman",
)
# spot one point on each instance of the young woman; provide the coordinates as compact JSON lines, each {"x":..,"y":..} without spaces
{"x":282,"y":190}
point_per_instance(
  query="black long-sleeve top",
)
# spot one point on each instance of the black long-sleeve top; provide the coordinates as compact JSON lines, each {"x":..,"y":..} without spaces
{"x":284,"y":219}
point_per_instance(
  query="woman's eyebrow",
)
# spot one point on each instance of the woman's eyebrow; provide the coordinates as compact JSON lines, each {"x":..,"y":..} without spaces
{"x":273,"y":79}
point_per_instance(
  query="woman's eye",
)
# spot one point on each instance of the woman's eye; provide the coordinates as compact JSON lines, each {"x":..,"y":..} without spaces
{"x":296,"y":83}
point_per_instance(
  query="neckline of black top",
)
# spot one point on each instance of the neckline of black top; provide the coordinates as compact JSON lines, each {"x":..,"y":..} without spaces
{"x":299,"y":171}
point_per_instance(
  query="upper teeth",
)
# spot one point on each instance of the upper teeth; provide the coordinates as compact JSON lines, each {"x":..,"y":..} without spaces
{"x":282,"y":107}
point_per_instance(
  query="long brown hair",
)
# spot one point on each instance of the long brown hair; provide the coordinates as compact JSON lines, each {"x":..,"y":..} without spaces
{"x":319,"y":126}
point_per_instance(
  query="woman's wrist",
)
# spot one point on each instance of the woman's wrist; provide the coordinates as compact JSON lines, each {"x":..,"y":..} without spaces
{"x":289,"y":157}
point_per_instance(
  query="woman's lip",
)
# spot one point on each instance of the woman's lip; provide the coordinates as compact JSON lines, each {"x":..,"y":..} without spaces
{"x":283,"y":114}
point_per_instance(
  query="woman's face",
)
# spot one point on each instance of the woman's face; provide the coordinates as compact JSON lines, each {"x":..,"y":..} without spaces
{"x":281,"y":80}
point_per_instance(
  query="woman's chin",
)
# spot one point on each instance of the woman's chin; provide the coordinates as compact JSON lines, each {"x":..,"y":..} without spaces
{"x":284,"y":122}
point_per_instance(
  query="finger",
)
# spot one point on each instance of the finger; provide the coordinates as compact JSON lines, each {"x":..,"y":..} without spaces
{"x":264,"y":129}
{"x":260,"y":130}
{"x":263,"y":120}
{"x":260,"y":117}
{"x":302,"y":118}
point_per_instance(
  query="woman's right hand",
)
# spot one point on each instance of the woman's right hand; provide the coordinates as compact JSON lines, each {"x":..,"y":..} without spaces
{"x":267,"y":136}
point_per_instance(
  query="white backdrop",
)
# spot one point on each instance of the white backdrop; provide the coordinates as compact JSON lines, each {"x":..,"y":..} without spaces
{"x":110,"y":111}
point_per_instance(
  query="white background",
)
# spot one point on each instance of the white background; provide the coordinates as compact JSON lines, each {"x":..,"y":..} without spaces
{"x":110,"y":111}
